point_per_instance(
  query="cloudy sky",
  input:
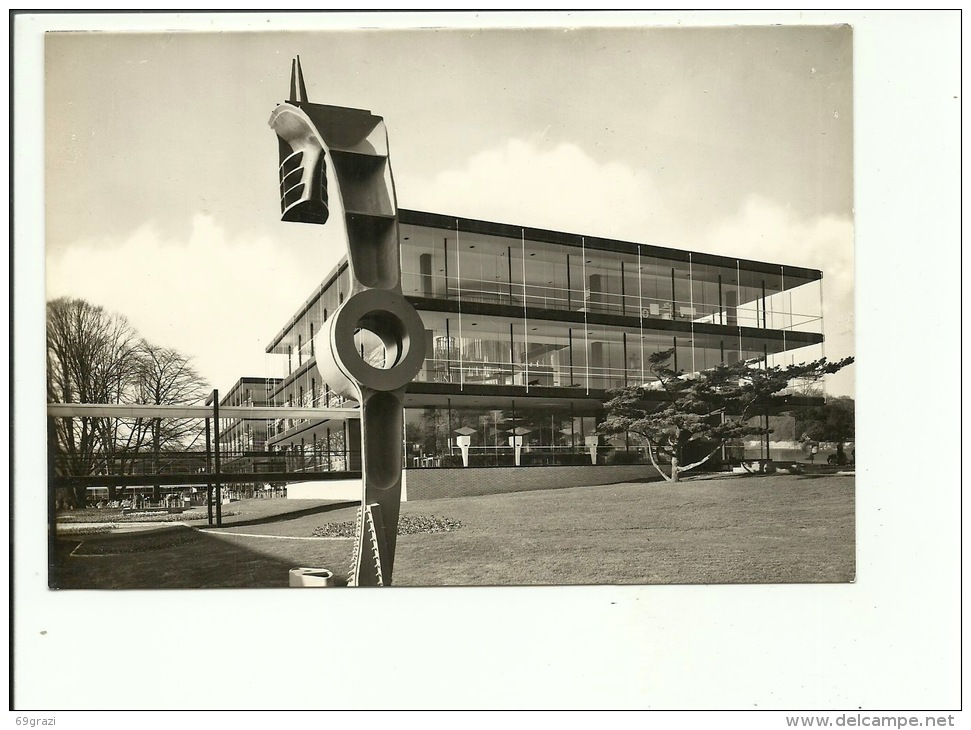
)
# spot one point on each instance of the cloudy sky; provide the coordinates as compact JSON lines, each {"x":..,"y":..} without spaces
{"x":162,"y":200}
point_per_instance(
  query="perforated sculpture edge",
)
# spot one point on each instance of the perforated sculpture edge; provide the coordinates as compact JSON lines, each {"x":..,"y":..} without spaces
{"x":356,"y":144}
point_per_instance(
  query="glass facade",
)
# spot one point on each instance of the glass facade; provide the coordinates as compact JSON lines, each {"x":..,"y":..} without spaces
{"x":243,"y":441}
{"x":551,"y":435}
{"x":516,"y":313}
{"x":515,"y":271}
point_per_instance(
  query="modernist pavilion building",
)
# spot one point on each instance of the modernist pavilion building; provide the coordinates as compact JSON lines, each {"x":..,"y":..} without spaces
{"x":527,"y":329}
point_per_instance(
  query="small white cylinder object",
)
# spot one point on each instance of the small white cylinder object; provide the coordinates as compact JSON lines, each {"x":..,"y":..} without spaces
{"x":311,"y":578}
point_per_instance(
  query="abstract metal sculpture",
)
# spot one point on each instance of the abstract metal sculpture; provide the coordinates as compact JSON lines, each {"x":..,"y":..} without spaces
{"x":356,"y":143}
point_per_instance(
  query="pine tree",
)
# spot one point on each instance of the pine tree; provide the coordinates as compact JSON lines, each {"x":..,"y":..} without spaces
{"x":709,"y":408}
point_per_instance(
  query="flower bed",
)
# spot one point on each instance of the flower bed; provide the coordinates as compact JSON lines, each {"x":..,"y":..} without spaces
{"x":112,"y":516}
{"x":407,"y":525}
{"x":82,"y":529}
{"x":155,"y":511}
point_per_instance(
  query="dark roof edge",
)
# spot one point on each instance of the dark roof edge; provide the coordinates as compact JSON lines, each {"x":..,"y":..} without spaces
{"x":472,"y":225}
{"x":246,"y":380}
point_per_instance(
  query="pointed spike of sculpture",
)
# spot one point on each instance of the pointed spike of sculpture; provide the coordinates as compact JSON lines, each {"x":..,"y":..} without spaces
{"x":303,"y":86}
{"x":293,"y":80}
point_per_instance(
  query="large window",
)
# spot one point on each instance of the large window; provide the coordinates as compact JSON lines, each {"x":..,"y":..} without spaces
{"x":801,"y":303}
{"x":750,"y":305}
{"x":605,"y":357}
{"x":550,"y":435}
{"x":657,"y":292}
{"x":605,"y":280}
{"x":708,"y":287}
{"x":547,"y":352}
{"x":471,"y":349}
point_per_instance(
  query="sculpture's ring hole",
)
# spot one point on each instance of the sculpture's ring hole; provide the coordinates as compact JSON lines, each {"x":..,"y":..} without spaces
{"x":380,"y":339}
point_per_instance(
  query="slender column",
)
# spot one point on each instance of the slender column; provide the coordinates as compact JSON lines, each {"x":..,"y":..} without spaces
{"x":344,"y":451}
{"x":691,"y":304}
{"x":525,"y":318}
{"x":674,"y":305}
{"x":445,"y":250}
{"x":586,"y":331}
{"x":569,"y":334}
{"x":640,"y":309}
{"x":209,"y":471}
{"x":624,"y":338}
{"x":573,"y":428}
{"x":458,"y":287}
{"x":764,"y":320}
{"x":721,"y":319}
{"x":509,"y":271}
{"x":569,"y":285}
{"x":51,"y":494}
{"x":330,"y":466}
{"x":765,"y":365}
{"x":448,"y":353}
{"x":216,"y":473}
{"x":512,"y":356}
{"x":448,"y":418}
{"x":623,"y":291}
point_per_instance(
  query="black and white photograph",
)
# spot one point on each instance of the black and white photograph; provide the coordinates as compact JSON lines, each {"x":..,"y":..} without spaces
{"x":566,"y":305}
{"x":601,"y":332}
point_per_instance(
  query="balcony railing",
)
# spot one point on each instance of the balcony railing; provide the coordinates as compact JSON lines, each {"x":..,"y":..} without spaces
{"x":775,"y":314}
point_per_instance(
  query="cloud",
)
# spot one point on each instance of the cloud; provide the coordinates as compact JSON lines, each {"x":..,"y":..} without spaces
{"x":216,"y":299}
{"x":559,"y":188}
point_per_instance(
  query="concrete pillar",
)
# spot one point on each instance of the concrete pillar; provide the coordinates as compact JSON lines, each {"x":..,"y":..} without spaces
{"x":592,"y":442}
{"x":463,"y":442}
{"x":517,"y":443}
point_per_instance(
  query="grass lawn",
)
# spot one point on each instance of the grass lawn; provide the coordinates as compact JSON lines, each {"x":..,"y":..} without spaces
{"x":760,"y":529}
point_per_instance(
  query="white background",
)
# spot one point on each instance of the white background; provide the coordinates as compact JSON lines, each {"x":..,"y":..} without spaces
{"x":889,"y":641}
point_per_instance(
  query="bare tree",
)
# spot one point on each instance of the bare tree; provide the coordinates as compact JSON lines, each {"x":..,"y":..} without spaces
{"x":166,"y":377}
{"x":94,"y":356}
{"x":91,"y":358}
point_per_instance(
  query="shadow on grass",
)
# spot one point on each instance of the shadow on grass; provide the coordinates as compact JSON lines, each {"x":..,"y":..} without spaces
{"x":283,"y":517}
{"x":121,"y":543}
{"x":182,"y":557}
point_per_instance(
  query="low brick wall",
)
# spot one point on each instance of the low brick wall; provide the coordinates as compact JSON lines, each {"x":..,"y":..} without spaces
{"x":468,"y":482}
